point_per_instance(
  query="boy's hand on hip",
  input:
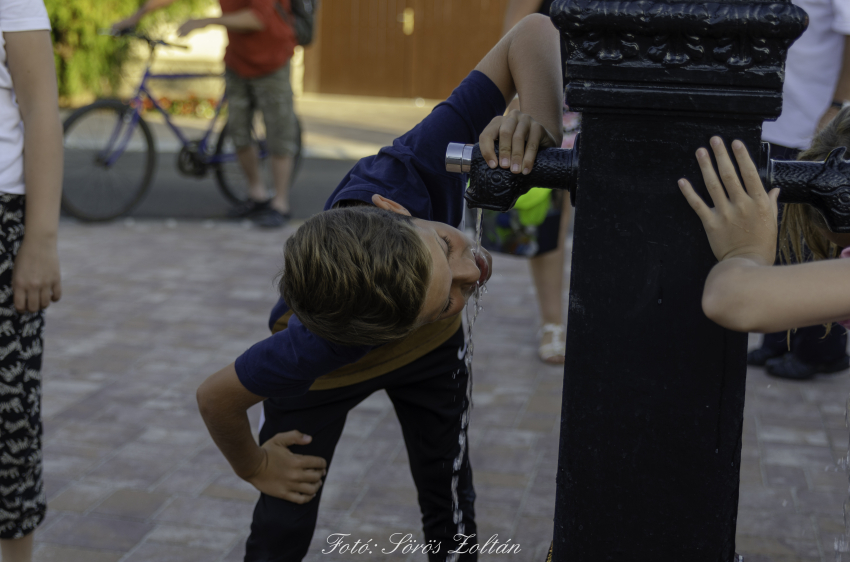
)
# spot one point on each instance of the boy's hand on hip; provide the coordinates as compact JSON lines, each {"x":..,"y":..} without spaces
{"x":519,"y":137}
{"x":286,"y":475}
{"x":36,"y":279}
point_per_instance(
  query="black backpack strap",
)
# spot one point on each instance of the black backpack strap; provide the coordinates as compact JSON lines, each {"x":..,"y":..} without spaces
{"x":284,"y":15}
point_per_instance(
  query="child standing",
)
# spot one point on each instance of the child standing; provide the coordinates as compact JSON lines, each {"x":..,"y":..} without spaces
{"x":30,"y":191}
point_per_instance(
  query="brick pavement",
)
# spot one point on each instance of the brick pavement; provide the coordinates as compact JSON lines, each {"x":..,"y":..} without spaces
{"x":152,"y":308}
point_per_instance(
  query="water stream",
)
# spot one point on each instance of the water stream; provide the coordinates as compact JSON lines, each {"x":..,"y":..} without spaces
{"x":473,"y":307}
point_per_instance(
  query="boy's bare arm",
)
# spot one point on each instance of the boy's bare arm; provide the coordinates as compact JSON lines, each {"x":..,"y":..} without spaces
{"x":273,"y":468}
{"x":36,"y":279}
{"x":527,"y":61}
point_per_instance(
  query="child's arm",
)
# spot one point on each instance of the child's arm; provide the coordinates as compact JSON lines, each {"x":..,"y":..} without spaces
{"x":36,"y":277}
{"x":744,"y":292}
{"x":223,"y":402}
{"x":526,"y":62}
{"x":242,"y":20}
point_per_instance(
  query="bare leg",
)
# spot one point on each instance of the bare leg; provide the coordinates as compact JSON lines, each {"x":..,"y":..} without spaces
{"x":547,"y":272}
{"x":250,"y":164}
{"x":17,"y":550}
{"x":281,"y":172}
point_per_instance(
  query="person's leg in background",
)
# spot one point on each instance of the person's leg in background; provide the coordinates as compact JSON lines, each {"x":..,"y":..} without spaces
{"x":274,"y":99}
{"x":812,"y":352}
{"x":547,"y":272}
{"x":241,"y":105}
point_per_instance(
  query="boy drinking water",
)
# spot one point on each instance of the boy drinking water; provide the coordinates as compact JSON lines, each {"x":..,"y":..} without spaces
{"x":372,"y":290}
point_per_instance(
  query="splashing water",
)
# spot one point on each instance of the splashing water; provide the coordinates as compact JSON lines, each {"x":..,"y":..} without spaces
{"x":842,"y":542}
{"x":472,"y":309}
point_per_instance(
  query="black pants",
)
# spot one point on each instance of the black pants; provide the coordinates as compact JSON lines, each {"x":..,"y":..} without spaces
{"x":808,"y":344}
{"x":429,"y":397}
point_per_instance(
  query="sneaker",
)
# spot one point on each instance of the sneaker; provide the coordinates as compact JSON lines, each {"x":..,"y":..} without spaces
{"x":789,"y":367}
{"x":758,"y":357}
{"x":247,"y":208}
{"x":270,"y":218}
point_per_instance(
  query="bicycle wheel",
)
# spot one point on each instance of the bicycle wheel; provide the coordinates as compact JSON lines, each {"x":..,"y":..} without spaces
{"x":109,"y":162}
{"x":228,"y":173}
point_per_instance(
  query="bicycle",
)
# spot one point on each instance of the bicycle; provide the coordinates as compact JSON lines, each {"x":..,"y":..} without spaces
{"x":108,"y":141}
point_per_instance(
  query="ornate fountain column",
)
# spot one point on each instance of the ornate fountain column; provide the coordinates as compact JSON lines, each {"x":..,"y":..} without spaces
{"x":653,"y":398}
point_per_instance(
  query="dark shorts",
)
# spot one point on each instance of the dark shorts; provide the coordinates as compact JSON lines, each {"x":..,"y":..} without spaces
{"x":22,"y":500}
{"x":429,"y":397}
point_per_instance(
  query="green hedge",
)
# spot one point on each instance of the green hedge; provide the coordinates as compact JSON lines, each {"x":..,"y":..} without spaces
{"x":89,"y":63}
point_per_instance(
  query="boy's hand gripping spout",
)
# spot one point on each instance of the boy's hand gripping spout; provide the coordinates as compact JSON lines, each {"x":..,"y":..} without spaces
{"x":742,"y":223}
{"x":519,"y":137}
{"x":286,"y":475}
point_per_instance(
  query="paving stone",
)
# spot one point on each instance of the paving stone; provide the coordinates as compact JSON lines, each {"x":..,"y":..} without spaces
{"x":207,"y":512}
{"x":51,"y":553}
{"x":134,"y":504}
{"x":786,"y":476}
{"x":80,"y":497}
{"x":195,"y":537}
{"x":156,"y":552}
{"x":231,"y":487}
{"x":96,"y":532}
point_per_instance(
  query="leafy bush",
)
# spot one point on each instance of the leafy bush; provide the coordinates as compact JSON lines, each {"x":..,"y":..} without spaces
{"x":89,"y":63}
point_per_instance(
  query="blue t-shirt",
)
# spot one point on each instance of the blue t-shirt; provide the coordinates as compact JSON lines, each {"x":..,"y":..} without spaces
{"x":411,"y":172}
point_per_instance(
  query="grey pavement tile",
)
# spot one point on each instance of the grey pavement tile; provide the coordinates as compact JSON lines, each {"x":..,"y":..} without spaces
{"x":133,"y":504}
{"x":208,"y":512}
{"x":518,"y":460}
{"x":209,"y":458}
{"x":110,"y":435}
{"x":230,"y":486}
{"x":96,"y":532}
{"x":53,"y":486}
{"x":130,"y":471}
{"x":402,"y":516}
{"x":793,"y":435}
{"x":187,"y":481}
{"x":786,"y":476}
{"x":818,"y":502}
{"x":157,"y":552}
{"x":832,"y":478}
{"x":802,"y":456}
{"x":52,"y":553}
{"x":194,"y":537}
{"x":67,"y":466}
{"x":79,"y":497}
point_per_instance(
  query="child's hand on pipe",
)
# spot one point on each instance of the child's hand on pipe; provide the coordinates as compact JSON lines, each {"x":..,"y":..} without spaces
{"x":742,"y":224}
{"x":519,"y":137}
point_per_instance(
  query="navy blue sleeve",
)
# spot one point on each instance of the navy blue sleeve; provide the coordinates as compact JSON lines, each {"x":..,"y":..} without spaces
{"x":412,"y":171}
{"x":287,"y":363}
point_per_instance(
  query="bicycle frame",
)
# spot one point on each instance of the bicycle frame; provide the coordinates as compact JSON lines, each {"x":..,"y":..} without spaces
{"x":132,"y":119}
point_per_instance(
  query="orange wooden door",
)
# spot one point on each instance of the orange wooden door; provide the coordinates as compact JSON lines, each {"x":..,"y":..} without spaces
{"x":450,"y":37}
{"x":400,"y":48}
{"x":364,"y":50}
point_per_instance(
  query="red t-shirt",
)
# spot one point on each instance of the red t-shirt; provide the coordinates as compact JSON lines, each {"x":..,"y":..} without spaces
{"x":257,"y":53}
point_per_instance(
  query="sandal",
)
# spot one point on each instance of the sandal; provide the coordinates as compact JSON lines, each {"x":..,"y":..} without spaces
{"x":554,"y":352}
